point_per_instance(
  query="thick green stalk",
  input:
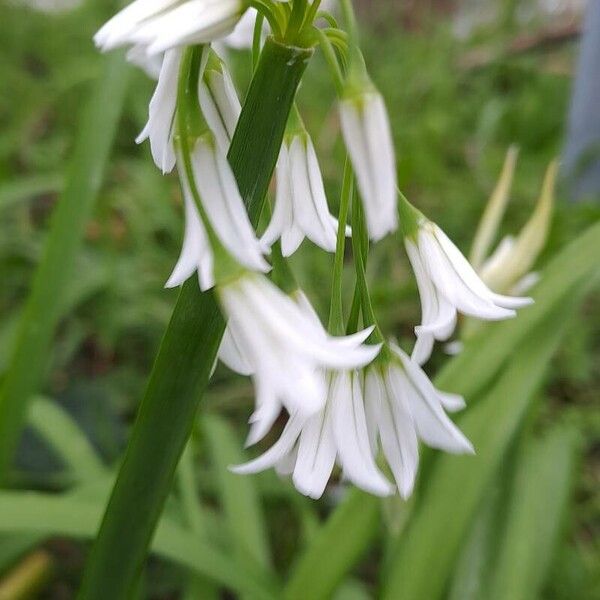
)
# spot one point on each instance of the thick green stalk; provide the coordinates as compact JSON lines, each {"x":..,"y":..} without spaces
{"x":46,"y":302}
{"x":188,"y":350}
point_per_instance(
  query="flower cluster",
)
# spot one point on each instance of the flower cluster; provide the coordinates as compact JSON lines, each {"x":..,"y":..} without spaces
{"x":353,"y":400}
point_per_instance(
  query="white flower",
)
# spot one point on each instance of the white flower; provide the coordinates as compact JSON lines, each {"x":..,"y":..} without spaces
{"x":368,"y":137}
{"x":161,"y":121}
{"x":403,"y":406}
{"x":310,"y":447}
{"x":447,"y":284}
{"x":300,"y":201}
{"x":219,"y":102}
{"x":223,"y":205}
{"x":285,"y":349}
{"x":391,"y":406}
{"x":159,"y":25}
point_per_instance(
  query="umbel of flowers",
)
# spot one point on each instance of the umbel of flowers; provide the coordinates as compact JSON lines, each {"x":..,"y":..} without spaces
{"x":353,"y":399}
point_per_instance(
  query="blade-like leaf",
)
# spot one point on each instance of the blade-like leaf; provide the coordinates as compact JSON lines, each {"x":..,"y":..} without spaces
{"x":46,"y":301}
{"x":238,"y":495}
{"x":536,"y":512}
{"x":78,"y":516}
{"x":65,"y":437}
{"x":335,"y":548}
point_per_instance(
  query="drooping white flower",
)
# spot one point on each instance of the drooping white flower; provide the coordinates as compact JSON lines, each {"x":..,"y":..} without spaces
{"x":161,"y":120}
{"x":402,"y":407}
{"x":160,"y":25}
{"x":309,"y":447}
{"x":219,"y":101}
{"x":447,"y":284}
{"x":368,"y":137}
{"x":224,"y":208}
{"x":300,"y":201}
{"x":284,"y":349}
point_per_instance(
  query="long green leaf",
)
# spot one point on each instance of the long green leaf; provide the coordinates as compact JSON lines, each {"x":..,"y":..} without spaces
{"x":245,"y":519}
{"x":45,"y":304}
{"x":184,"y":363}
{"x":539,"y":499}
{"x":457,"y":484}
{"x":336,"y":548}
{"x":77,"y":516}
{"x":66,"y":438}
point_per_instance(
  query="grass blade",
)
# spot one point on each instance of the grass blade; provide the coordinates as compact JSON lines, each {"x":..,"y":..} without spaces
{"x":45,"y":304}
{"x":328,"y":558}
{"x":78,"y":516}
{"x":238,"y":495}
{"x":65,"y":437}
{"x":539,"y":499}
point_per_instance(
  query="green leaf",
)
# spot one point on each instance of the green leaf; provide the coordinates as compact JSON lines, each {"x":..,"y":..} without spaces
{"x":538,"y":504}
{"x":46,"y":301}
{"x":78,"y":516}
{"x":456,"y":485}
{"x":65,"y":437}
{"x":14,"y":192}
{"x":188,"y":350}
{"x":335,"y":548}
{"x":241,"y":503}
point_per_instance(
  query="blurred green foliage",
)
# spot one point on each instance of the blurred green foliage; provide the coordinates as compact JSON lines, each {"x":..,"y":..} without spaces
{"x":452,"y":124}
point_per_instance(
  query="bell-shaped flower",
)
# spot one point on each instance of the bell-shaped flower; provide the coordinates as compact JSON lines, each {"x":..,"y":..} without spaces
{"x":402,"y":407}
{"x":285,"y":349}
{"x":300,"y":202}
{"x":368,"y":137}
{"x":215,"y":188}
{"x":310,"y":447}
{"x":447,"y":283}
{"x":161,"y":120}
{"x":160,"y":25}
{"x":219,"y":101}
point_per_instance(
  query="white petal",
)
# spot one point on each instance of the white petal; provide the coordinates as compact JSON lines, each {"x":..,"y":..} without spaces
{"x":396,"y":431}
{"x":308,"y":194}
{"x":458,"y":284}
{"x":159,"y":128}
{"x":433,"y":425}
{"x":224,"y":206}
{"x":277,"y":452}
{"x":195,"y":250}
{"x":232,"y":355}
{"x":352,"y":438}
{"x":316,"y":455}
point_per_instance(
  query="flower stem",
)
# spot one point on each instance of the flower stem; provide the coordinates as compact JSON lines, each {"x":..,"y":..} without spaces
{"x":188,"y":350}
{"x":360,"y":247}
{"x":336,"y":311}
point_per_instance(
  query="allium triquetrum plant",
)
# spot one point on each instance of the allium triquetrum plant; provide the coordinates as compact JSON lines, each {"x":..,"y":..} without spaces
{"x":352,"y":398}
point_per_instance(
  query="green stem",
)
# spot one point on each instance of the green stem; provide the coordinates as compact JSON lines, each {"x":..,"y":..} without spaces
{"x":336,"y":310}
{"x":360,"y":246}
{"x":184,"y":363}
{"x":45,"y":305}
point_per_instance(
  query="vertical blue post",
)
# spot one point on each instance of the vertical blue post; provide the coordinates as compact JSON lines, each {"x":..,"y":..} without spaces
{"x":581,"y":156}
